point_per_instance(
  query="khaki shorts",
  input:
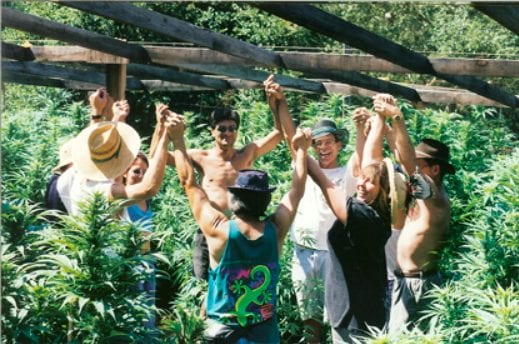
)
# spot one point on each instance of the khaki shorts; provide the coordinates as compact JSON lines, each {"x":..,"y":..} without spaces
{"x":308,"y":274}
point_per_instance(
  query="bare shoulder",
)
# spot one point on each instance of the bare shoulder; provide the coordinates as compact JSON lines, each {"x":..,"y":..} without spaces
{"x":197,"y":155}
{"x":245,"y":154}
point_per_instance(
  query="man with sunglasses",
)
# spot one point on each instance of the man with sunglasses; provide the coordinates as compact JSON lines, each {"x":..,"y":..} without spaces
{"x":219,"y":168}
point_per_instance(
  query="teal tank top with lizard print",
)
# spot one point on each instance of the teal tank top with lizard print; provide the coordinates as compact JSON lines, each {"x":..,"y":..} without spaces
{"x":242,"y":288}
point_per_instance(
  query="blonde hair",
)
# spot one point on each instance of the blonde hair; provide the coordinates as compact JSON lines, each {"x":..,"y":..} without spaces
{"x":378,"y":172}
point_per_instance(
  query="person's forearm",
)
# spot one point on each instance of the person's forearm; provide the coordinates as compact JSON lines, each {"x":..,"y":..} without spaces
{"x":403,"y":144}
{"x":157,"y":133}
{"x":300,"y":171}
{"x":356,"y":159}
{"x":155,"y":174}
{"x":334,"y":195}
{"x":287,"y":123}
{"x":183,"y":163}
{"x":372,"y":151}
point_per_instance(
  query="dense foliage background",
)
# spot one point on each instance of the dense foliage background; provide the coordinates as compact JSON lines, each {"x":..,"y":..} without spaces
{"x":58,"y":285}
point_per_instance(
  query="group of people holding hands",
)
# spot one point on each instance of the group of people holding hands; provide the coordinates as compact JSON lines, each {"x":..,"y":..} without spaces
{"x":340,"y":219}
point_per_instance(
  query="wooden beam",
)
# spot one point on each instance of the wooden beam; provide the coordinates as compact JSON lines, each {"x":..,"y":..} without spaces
{"x":168,"y":86}
{"x":74,"y":53}
{"x":173,"y":27}
{"x":32,"y":80}
{"x":327,"y":24}
{"x":61,"y":73}
{"x":429,"y":94}
{"x":505,"y":14}
{"x":16,"y":52}
{"x":339,"y":29}
{"x":370,"y":63}
{"x":167,"y":74}
{"x":53,"y":71}
{"x":232,"y":68}
{"x":248,"y":74}
{"x":360,"y":80}
{"x":43,"y":27}
{"x":323,"y":61}
{"x":178,"y":29}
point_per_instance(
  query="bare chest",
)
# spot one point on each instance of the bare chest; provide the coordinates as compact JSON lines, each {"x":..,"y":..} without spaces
{"x":222,"y":172}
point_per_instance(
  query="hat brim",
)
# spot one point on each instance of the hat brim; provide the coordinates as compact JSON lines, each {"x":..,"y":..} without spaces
{"x":450,"y":169}
{"x":68,"y":146}
{"x":115,"y":167}
{"x":397,"y":190}
{"x":338,"y":133}
{"x":238,"y":188}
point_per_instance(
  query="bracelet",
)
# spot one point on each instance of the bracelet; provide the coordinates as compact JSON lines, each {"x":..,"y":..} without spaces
{"x":96,"y":116}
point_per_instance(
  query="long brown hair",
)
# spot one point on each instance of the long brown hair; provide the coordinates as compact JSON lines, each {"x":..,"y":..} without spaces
{"x":378,"y":171}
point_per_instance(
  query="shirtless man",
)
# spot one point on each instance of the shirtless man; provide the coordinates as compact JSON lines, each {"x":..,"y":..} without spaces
{"x":219,"y":168}
{"x":244,"y":251}
{"x":427,"y":219}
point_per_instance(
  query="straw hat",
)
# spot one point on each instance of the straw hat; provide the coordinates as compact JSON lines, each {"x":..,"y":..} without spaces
{"x":65,"y":155}
{"x":397,"y":189}
{"x":105,"y":150}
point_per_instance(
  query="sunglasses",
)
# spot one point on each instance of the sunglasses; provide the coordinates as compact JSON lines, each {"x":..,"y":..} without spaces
{"x":223,"y":128}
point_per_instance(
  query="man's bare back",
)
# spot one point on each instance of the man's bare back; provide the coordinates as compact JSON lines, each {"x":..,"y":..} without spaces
{"x":422,"y":236}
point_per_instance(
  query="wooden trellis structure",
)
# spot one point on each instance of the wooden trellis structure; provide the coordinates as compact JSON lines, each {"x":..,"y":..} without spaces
{"x":220,"y":62}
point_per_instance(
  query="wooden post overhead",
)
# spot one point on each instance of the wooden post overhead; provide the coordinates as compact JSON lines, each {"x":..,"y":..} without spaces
{"x":43,"y":27}
{"x":505,"y":14}
{"x":343,"y":31}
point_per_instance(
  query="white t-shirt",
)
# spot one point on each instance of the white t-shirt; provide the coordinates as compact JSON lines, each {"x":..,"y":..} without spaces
{"x":73,"y":189}
{"x":314,"y":218}
{"x":390,"y":249}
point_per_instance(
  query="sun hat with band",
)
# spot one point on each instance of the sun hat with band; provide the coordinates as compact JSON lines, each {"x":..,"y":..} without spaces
{"x":105,"y":150}
{"x":397,"y":190}
{"x":65,"y":155}
{"x":252,"y":180}
{"x":436,"y":150}
{"x":327,"y":126}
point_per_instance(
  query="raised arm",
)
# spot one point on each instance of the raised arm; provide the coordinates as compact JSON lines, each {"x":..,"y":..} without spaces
{"x":386,"y":106}
{"x":207,"y":217}
{"x":373,"y":146}
{"x":287,"y":208}
{"x":334,"y":195}
{"x":101,"y":104}
{"x":279,"y":107}
{"x":161,"y":113}
{"x":150,"y":184}
{"x":360,"y":117}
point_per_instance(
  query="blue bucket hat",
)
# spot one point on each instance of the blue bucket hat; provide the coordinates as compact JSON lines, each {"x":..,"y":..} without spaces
{"x":252,"y":180}
{"x":327,"y":126}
